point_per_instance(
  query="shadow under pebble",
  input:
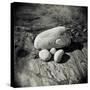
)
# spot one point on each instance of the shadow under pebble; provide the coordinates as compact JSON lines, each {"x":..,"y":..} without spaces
{"x":65,"y":58}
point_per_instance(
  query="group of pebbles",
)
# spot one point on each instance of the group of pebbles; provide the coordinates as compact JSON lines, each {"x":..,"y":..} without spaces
{"x":50,"y":40}
{"x":46,"y":55}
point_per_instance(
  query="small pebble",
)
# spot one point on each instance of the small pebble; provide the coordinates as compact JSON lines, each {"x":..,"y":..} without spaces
{"x":44,"y":55}
{"x":58,"y":41}
{"x":58,"y":55}
{"x":52,"y":50}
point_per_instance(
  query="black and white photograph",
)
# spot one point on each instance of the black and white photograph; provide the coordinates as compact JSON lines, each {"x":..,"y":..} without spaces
{"x":49,"y":44}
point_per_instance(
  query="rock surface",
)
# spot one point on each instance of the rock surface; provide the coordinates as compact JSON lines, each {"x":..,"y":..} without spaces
{"x":56,"y":37}
{"x":58,"y":55}
{"x":35,"y":72}
{"x":44,"y":55}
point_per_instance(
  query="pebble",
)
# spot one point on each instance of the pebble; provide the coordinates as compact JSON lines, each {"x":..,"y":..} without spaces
{"x":45,"y":55}
{"x":52,"y":50}
{"x":58,"y":55}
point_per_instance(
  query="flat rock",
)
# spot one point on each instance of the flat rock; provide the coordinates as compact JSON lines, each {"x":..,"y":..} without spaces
{"x":56,"y":37}
{"x":35,"y":72}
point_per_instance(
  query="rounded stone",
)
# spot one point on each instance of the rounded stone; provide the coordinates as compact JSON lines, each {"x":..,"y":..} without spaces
{"x":52,"y":50}
{"x":56,"y":37}
{"x":44,"y":55}
{"x":58,"y":55}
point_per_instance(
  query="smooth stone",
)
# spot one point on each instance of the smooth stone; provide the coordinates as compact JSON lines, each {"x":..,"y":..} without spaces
{"x":58,"y":41}
{"x":44,"y":55}
{"x":53,"y":50}
{"x":56,"y":37}
{"x":58,"y":55}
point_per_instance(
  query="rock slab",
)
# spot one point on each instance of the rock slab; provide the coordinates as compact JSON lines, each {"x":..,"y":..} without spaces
{"x":35,"y":72}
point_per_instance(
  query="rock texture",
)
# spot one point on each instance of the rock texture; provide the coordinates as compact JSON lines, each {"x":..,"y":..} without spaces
{"x":35,"y":72}
{"x":56,"y":37}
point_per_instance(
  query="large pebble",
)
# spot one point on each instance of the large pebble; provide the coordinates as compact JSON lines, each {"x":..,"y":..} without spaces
{"x":52,"y":50}
{"x":58,"y":55}
{"x":45,"y":55}
{"x":56,"y":37}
